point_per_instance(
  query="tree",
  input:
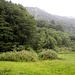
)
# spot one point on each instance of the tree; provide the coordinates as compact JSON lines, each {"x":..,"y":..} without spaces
{"x":50,"y":42}
{"x":17,"y":26}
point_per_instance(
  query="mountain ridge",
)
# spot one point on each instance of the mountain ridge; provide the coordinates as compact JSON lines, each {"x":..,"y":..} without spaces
{"x":67,"y":22}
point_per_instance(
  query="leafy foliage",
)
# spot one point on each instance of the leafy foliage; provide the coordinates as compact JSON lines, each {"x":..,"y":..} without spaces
{"x":17,"y":26}
{"x":19,"y":31}
{"x":50,"y":38}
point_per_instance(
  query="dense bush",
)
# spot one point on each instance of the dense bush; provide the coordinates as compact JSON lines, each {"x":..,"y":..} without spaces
{"x":17,"y":26}
{"x":49,"y":54}
{"x":28,"y":56}
{"x":19,"y":56}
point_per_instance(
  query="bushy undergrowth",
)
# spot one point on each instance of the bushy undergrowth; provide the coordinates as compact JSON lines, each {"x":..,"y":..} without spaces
{"x":28,"y":55}
{"x":63,"y":50}
{"x":47,"y":55}
{"x":19,"y":56}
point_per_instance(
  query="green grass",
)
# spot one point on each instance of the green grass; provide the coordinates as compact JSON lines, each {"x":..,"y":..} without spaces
{"x":53,"y":67}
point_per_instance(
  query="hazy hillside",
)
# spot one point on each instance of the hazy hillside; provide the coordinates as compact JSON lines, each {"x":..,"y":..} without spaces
{"x":68,"y":23}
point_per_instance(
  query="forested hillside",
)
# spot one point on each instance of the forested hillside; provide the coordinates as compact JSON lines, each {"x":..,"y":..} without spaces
{"x":20,"y":31}
{"x":17,"y":26}
{"x":67,"y":23}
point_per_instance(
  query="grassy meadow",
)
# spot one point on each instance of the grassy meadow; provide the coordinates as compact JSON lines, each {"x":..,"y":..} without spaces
{"x":66,"y":66}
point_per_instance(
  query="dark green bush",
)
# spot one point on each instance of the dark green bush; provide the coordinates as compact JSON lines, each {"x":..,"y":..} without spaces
{"x":19,"y":56}
{"x":19,"y":48}
{"x":48,"y":55}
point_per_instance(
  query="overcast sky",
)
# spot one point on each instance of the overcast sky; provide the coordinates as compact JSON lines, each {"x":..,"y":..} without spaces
{"x":56,"y":7}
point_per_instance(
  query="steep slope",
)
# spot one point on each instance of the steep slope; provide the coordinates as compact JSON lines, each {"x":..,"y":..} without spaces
{"x":66,"y":22}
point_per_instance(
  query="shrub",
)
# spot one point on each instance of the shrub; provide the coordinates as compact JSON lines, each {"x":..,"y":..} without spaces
{"x":47,"y":55}
{"x":64,"y":50}
{"x":19,"y":56}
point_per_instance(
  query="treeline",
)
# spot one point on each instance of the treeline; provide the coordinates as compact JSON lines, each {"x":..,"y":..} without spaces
{"x":50,"y":36}
{"x":17,"y":26}
{"x":19,"y":31}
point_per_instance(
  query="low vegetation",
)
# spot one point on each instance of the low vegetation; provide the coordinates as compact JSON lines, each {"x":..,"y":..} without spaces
{"x":48,"y":55}
{"x":52,"y":67}
{"x":28,"y":56}
{"x":19,"y":56}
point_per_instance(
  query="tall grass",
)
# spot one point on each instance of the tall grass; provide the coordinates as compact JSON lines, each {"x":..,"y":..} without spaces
{"x":28,"y":55}
{"x":19,"y":56}
{"x":52,"y":67}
